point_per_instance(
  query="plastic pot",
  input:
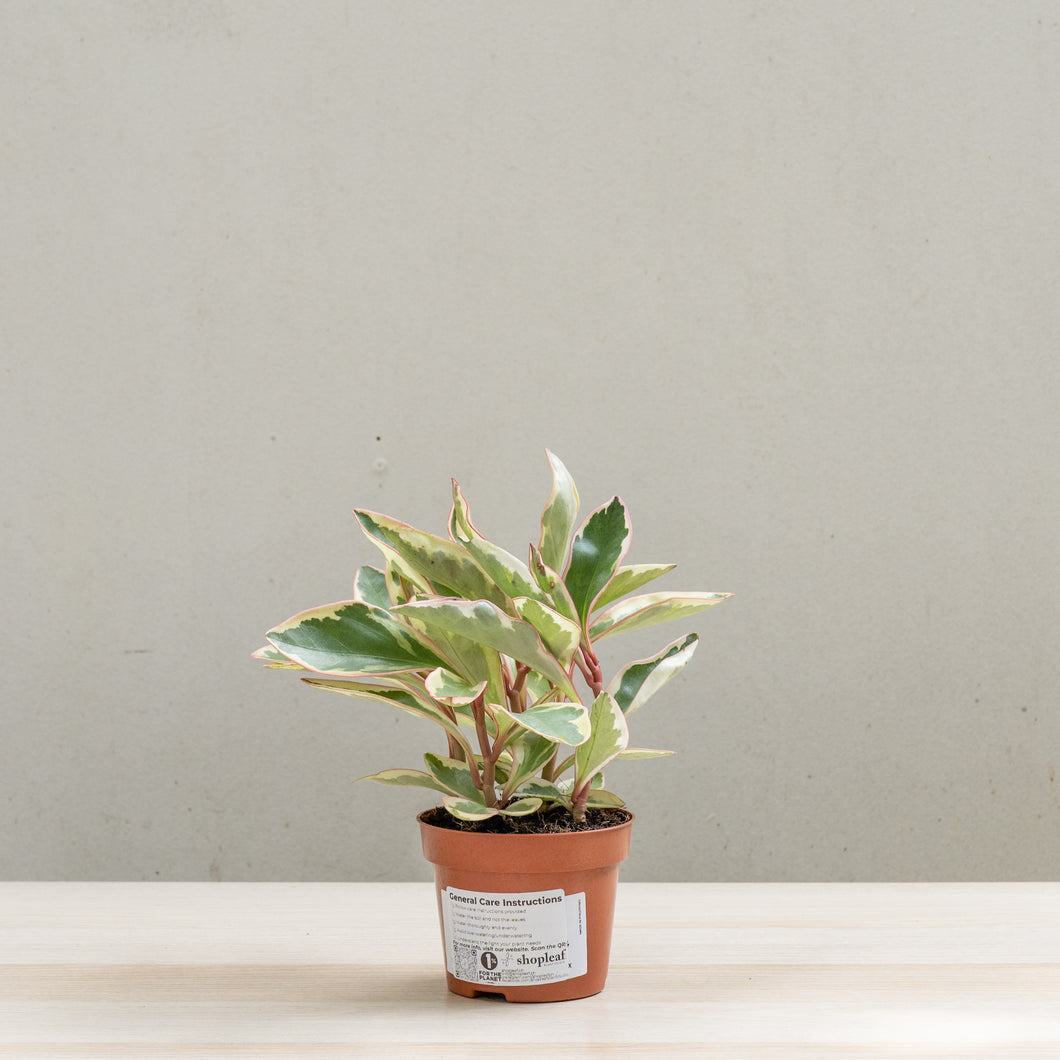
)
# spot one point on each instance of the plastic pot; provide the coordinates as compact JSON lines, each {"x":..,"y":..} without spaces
{"x":526,"y":917}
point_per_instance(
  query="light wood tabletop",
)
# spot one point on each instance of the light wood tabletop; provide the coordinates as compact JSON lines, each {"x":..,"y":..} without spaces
{"x":698,"y":970}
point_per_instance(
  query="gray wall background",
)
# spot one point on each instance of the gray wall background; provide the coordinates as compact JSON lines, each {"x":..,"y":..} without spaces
{"x":783,"y":275}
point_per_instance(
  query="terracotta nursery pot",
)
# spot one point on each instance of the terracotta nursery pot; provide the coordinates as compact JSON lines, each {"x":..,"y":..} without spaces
{"x":526,"y":917}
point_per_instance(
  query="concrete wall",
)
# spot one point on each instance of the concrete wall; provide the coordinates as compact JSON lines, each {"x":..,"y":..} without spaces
{"x":783,"y":275}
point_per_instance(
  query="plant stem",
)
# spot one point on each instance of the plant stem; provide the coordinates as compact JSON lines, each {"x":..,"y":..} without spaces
{"x":579,"y":799}
{"x":517,"y":691}
{"x":594,"y":675}
{"x":489,"y":775}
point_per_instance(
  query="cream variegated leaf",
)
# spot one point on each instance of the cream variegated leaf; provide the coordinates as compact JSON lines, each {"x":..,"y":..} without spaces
{"x":487,"y":624}
{"x":609,"y":738}
{"x":443,"y":564}
{"x":566,"y":723}
{"x":629,"y":579}
{"x":406,"y":778}
{"x":446,"y":687}
{"x":639,"y":612}
{"x":522,"y":807}
{"x":560,"y":635}
{"x":560,"y":514}
{"x":370,"y":587}
{"x":467,"y":810}
{"x":509,"y":574}
{"x":352,"y":638}
{"x":453,"y":776}
{"x":637,"y":682}
{"x":596,"y":552}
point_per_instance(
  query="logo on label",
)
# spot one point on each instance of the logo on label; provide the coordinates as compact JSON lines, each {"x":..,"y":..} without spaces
{"x":488,"y":960}
{"x":542,"y":958}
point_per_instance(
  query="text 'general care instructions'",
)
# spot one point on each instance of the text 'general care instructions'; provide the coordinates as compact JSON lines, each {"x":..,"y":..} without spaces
{"x":514,"y":939}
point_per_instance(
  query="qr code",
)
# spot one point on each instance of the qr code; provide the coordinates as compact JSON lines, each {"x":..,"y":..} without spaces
{"x":465,"y":960}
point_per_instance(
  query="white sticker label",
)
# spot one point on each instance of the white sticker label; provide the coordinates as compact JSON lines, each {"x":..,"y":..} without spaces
{"x":514,"y":939}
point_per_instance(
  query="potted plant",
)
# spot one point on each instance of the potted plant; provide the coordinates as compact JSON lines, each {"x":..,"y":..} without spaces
{"x":501,"y":655}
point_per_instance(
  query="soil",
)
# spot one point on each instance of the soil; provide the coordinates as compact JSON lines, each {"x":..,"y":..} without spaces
{"x":550,"y":822}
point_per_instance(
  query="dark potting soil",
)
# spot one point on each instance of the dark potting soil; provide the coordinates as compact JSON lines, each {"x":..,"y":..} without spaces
{"x":552,"y":821}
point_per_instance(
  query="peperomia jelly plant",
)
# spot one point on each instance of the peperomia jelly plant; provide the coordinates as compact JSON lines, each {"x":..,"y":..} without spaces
{"x":493,"y":650}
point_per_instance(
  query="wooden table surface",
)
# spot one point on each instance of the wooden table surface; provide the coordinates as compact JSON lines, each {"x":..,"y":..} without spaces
{"x":698,"y":970}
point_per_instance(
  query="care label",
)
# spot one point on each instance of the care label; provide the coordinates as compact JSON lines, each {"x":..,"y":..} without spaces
{"x":514,"y":939}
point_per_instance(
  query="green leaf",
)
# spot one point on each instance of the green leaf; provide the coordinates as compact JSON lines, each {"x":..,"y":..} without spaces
{"x":487,"y":624}
{"x":560,"y":635}
{"x":610,"y":737}
{"x":369,"y":587}
{"x":603,"y":800}
{"x":453,"y":776}
{"x":466,"y":810}
{"x":557,"y":520}
{"x":444,"y":564}
{"x":406,"y":778}
{"x":447,"y":687}
{"x":352,"y":638}
{"x":566,"y":723}
{"x":597,"y":550}
{"x":522,"y":808}
{"x":630,"y":579}
{"x":509,"y":574}
{"x":639,"y":612}
{"x":635,"y":684}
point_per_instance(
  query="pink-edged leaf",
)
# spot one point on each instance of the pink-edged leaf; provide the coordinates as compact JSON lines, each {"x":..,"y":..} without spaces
{"x":352,"y":638}
{"x":638,"y":612}
{"x":559,"y":515}
{"x":596,"y":553}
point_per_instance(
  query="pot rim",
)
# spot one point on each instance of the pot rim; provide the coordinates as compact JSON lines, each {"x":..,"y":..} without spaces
{"x":630,"y":818}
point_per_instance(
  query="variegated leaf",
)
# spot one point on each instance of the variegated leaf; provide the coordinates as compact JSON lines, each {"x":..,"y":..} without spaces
{"x":453,"y":776}
{"x":509,"y":574}
{"x":596,"y":553}
{"x":540,"y":789}
{"x":636,"y":683}
{"x":559,"y":515}
{"x":402,"y":584}
{"x":560,"y":635}
{"x":639,"y":612}
{"x":406,"y":778}
{"x":644,"y":752}
{"x":274,"y":660}
{"x":487,"y":624}
{"x":444,"y":564}
{"x":566,"y":723}
{"x":629,"y":579}
{"x":522,"y":808}
{"x":548,"y":581}
{"x":466,"y":810}
{"x":401,"y":698}
{"x":610,"y":737}
{"x":352,"y":638}
{"x":370,"y":587}
{"x":470,"y":661}
{"x":448,"y":688}
{"x":603,"y":800}
{"x":526,"y":755}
